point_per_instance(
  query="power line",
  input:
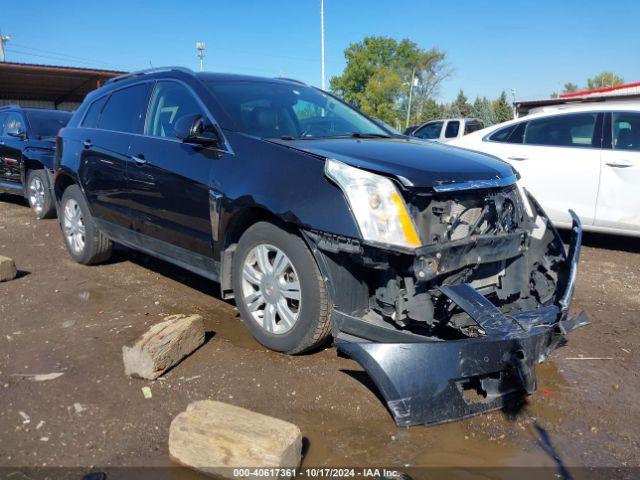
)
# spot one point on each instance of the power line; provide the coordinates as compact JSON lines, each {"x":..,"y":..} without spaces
{"x":56,"y":58}
{"x":62,"y":55}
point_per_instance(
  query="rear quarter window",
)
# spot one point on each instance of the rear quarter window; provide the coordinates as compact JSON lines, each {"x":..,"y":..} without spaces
{"x":90,"y":120}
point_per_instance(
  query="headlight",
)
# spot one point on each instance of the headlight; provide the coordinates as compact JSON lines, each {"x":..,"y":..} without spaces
{"x":376,"y":204}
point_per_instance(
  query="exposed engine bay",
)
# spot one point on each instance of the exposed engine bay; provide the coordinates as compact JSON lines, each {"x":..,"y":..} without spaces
{"x":486,"y":239}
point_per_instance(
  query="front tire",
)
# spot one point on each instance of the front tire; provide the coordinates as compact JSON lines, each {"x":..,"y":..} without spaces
{"x":279,"y":290}
{"x":38,"y":194}
{"x":84,"y":241}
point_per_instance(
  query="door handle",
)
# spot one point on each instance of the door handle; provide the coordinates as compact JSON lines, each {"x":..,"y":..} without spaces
{"x":517,"y":158}
{"x":620,"y":164}
{"x":139,"y":159}
{"x":87,"y":144}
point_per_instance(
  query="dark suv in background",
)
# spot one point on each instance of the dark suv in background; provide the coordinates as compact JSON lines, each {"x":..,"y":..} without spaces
{"x":27,"y":142}
{"x":428,"y":264}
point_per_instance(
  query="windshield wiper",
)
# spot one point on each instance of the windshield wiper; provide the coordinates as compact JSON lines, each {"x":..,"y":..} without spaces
{"x":368,"y":135}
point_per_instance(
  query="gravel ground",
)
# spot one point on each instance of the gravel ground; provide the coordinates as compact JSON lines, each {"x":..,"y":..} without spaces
{"x":58,"y":316}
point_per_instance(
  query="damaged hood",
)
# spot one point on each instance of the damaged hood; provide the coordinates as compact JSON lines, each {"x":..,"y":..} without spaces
{"x":413,"y":162}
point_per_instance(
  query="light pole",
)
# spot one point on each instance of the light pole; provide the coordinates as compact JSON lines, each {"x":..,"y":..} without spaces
{"x":3,"y":39}
{"x":414,"y":83}
{"x":200,"y":46}
{"x":322,"y":40}
{"x":513,"y":95}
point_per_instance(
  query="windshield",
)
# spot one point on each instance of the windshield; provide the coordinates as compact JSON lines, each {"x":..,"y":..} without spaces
{"x":47,"y":123}
{"x":278,"y":110}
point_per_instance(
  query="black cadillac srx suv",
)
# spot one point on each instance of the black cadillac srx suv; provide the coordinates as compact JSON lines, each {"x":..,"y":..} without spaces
{"x":428,"y":264}
{"x":27,"y":141}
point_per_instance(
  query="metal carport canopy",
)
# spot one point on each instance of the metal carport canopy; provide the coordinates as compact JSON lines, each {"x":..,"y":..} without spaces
{"x":57,"y":84}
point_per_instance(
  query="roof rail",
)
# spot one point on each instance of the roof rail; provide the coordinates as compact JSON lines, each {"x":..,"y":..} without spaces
{"x":148,"y":71}
{"x":291,"y":80}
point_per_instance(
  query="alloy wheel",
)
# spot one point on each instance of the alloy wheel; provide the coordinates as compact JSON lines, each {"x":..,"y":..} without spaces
{"x":271,"y":289}
{"x":73,"y":226}
{"x":36,"y":194}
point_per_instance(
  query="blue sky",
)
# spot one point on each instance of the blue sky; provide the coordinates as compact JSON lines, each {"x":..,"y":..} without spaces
{"x":534,"y":46}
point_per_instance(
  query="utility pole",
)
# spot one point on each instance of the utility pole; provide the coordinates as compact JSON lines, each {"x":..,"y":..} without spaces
{"x":200,"y":46}
{"x":3,"y":39}
{"x":411,"y":85}
{"x":513,"y":95}
{"x":322,"y":40}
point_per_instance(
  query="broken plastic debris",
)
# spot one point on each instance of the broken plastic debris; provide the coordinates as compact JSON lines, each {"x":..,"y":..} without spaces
{"x":78,"y":407}
{"x":146,"y":391}
{"x":25,"y":418}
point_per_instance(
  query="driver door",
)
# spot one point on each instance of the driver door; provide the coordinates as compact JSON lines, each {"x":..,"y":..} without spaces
{"x":168,"y":179}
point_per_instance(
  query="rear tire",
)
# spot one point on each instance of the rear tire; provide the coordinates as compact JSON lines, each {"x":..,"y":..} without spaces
{"x":85,"y":242}
{"x":39,"y":195}
{"x":279,"y":290}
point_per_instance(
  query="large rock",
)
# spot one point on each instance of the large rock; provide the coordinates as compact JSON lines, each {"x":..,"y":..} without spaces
{"x":214,"y":438}
{"x":7,"y":269}
{"x":163,"y":346}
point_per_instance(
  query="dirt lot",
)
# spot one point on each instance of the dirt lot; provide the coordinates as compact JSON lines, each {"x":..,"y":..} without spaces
{"x":59,"y":316}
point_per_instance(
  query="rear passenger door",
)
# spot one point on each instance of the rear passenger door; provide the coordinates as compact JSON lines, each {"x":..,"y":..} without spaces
{"x":619,"y":197}
{"x":168,"y":179}
{"x":558,"y":157}
{"x":107,"y":130}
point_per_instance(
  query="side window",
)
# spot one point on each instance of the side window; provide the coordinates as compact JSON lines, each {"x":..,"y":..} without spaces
{"x":125,"y":109}
{"x":471,"y":127}
{"x":169,"y":102}
{"x":14,"y":122}
{"x":430,"y":131}
{"x":625,"y":131}
{"x":453,"y":127}
{"x":93,"y":113}
{"x":573,"y":130}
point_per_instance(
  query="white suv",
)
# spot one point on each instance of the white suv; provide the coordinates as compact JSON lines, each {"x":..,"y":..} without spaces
{"x":584,"y":157}
{"x":446,"y":130}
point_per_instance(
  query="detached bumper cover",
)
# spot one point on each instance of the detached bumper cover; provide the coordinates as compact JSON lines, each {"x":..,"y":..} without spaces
{"x":429,"y":382}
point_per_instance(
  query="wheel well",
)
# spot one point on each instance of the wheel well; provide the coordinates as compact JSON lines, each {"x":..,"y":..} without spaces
{"x":242,"y":220}
{"x":32,"y":165}
{"x":234,"y":228}
{"x":62,"y":183}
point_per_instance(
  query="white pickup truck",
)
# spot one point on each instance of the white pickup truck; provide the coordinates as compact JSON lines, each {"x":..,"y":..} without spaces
{"x":445,"y":130}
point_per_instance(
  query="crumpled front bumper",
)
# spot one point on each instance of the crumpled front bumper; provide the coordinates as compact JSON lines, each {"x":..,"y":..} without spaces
{"x":428,"y":382}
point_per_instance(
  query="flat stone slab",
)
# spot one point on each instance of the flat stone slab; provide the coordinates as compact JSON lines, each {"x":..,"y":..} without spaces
{"x":163,"y":346}
{"x":8,"y":269}
{"x":214,"y":438}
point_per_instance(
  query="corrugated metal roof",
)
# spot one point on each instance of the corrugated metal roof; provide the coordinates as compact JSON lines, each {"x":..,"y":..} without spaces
{"x":28,"y":81}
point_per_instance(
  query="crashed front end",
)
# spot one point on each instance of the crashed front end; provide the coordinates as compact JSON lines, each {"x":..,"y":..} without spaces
{"x":454,"y":327}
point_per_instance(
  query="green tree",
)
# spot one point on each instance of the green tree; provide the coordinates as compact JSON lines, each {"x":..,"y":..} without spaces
{"x":461,"y":104}
{"x":570,"y":88}
{"x":604,"y":79}
{"x":378,"y":76}
{"x":483,"y":110}
{"x":431,"y":110}
{"x":502,"y":109}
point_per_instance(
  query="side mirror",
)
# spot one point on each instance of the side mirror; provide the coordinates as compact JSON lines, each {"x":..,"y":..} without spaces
{"x":17,"y":132}
{"x":195,"y":128}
